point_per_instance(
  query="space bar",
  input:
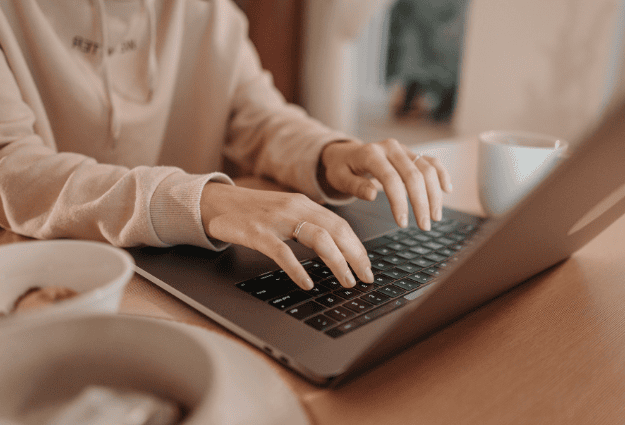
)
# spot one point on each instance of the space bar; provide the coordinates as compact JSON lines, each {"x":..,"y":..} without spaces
{"x":343,"y":328}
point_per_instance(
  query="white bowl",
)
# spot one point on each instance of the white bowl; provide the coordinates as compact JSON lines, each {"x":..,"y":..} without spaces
{"x":97,"y":271}
{"x":215,"y":379}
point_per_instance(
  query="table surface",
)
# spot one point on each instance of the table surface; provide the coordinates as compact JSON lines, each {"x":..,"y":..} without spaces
{"x":550,"y":351}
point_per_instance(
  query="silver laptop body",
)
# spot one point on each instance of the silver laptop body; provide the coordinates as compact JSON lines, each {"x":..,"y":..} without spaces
{"x":577,"y":201}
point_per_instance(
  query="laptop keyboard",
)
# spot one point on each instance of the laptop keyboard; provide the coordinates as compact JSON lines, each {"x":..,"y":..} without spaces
{"x":403,"y":262}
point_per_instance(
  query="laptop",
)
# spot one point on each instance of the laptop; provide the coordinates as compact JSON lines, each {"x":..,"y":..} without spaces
{"x":424,"y":280}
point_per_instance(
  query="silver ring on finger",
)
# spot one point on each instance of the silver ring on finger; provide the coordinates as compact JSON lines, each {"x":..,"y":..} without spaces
{"x":419,"y":155}
{"x":297,"y":230}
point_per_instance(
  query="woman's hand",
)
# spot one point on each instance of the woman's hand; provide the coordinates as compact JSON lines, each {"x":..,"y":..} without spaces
{"x":263,"y":220}
{"x":346,"y":167}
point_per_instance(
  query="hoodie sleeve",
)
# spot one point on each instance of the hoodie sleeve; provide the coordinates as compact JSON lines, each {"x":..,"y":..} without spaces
{"x":271,"y":138}
{"x":47,"y":194}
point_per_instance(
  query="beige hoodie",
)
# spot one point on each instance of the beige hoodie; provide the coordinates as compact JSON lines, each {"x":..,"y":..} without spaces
{"x":115,"y":114}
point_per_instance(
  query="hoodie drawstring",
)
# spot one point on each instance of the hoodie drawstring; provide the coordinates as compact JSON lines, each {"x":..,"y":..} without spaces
{"x":152,"y":66}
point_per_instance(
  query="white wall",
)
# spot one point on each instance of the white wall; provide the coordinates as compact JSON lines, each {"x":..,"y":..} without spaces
{"x":539,"y":65}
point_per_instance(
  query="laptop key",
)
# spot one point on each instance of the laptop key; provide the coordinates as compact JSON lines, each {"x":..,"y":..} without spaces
{"x":419,"y":250}
{"x":396,"y":246}
{"x":347,"y":293}
{"x":409,"y":242}
{"x":422,"y":262}
{"x":432,"y":271}
{"x":445,"y":228}
{"x":435,"y":257}
{"x":265,"y":281}
{"x":421,"y":237}
{"x":392,"y":291}
{"x":363,"y":319}
{"x":407,"y":255}
{"x":358,"y":305}
{"x":381,"y":265}
{"x":458,"y":237}
{"x":364,"y":287}
{"x":375,"y":298}
{"x":331,"y":283}
{"x":409,"y":267}
{"x":386,"y":308}
{"x":312,"y":265}
{"x":329,"y":300}
{"x":446,"y":222}
{"x":447,"y":262}
{"x":381,"y":279}
{"x":446,"y":252}
{"x":247,"y":285}
{"x":432,"y":245}
{"x":445,"y":241}
{"x":342,"y":329}
{"x":383,"y":250}
{"x":322,"y":272}
{"x":396,"y":273}
{"x":316,"y":278}
{"x":274,"y":290}
{"x":407,"y":284}
{"x":394,"y":259}
{"x":420,"y":277}
{"x":373,"y":256}
{"x":339,"y":313}
{"x":290,"y":299}
{"x":305,"y":310}
{"x":318,"y":290}
{"x":320,"y":322}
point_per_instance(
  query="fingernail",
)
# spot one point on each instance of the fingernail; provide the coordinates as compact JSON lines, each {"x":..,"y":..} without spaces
{"x":439,"y":215}
{"x":308,"y":284}
{"x":349,"y":278}
{"x":368,"y":275}
{"x":449,"y":187}
{"x":369,"y":193}
{"x":403,"y":220}
{"x":425,"y":224}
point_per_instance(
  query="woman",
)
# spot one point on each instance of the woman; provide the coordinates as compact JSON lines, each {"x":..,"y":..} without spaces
{"x":117,"y":119}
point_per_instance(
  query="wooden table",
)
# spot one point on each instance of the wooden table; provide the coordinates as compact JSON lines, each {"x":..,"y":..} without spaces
{"x":550,"y":351}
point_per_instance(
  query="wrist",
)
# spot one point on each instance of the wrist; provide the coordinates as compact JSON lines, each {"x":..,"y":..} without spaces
{"x":210,"y":198}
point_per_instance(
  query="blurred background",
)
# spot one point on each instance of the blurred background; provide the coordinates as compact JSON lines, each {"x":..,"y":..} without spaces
{"x":422,"y":70}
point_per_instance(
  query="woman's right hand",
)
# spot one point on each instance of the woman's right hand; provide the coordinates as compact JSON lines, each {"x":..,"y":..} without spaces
{"x":262,"y":220}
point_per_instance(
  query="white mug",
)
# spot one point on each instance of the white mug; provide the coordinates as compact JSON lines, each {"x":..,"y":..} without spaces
{"x":511,"y":164}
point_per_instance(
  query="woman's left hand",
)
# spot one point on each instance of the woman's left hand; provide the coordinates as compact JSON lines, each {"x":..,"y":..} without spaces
{"x":346,"y":167}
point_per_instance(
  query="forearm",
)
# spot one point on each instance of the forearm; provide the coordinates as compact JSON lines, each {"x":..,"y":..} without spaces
{"x":63,"y":195}
{"x":271,"y":138}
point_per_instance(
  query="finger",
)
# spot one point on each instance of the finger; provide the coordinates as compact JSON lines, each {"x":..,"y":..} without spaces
{"x":433,"y":186}
{"x":348,"y":244}
{"x":318,"y":239}
{"x":270,"y":245}
{"x":348,"y":182}
{"x":443,"y":175}
{"x":378,"y":165}
{"x":416,"y":187}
